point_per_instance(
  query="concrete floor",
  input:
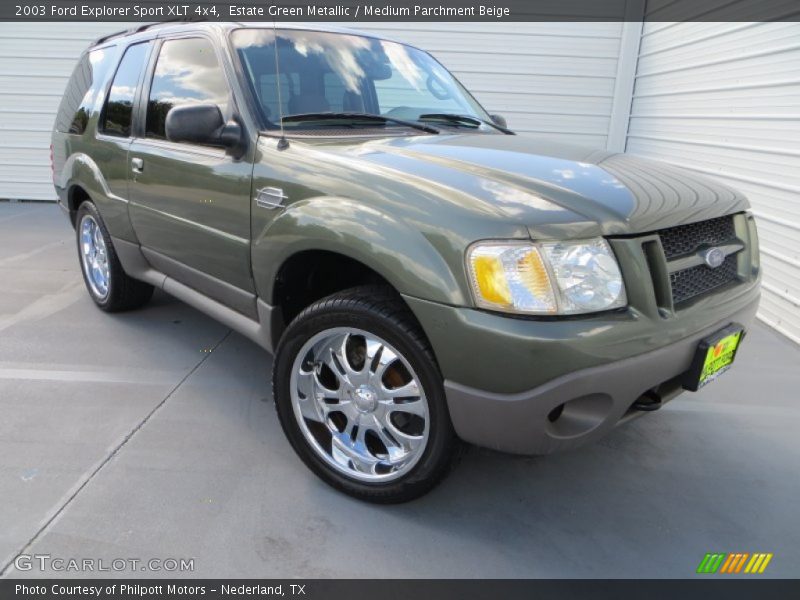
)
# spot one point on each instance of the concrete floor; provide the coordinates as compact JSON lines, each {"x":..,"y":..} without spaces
{"x":149,"y":435}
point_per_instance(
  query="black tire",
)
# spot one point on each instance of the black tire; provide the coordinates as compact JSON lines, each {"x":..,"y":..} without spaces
{"x":379,"y":311}
{"x":124,"y":292}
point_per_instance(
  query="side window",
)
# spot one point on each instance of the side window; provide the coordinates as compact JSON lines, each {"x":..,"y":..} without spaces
{"x":187,"y":72}
{"x":118,"y":113}
{"x":82,"y":90}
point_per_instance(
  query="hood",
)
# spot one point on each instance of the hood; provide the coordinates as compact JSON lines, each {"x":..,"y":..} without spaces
{"x":553,"y":189}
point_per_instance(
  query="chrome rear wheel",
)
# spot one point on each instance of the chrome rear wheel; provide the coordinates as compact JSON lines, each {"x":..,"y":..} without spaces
{"x":110,"y":288}
{"x":94,"y":256}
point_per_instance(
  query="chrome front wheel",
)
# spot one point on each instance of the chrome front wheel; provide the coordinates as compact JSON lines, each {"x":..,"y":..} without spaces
{"x":94,"y":256}
{"x":359,"y":404}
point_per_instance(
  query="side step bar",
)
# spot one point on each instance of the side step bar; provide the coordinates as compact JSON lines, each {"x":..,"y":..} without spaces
{"x":137,"y":266}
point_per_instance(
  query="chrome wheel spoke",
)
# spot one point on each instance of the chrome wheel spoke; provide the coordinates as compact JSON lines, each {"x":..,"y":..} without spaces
{"x":309,"y":410}
{"x":372,"y":351}
{"x":409,"y":443}
{"x":409,"y":390}
{"x":395,"y":449}
{"x":315,"y":400}
{"x":352,"y":374}
{"x":335,"y":357}
{"x":415,"y":407}
{"x":388,"y":357}
{"x":319,"y":389}
{"x":356,"y":453}
{"x":359,"y":437}
{"x":307,"y":401}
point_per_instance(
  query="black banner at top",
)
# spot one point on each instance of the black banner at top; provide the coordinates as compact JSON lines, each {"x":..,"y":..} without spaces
{"x":401,"y":10}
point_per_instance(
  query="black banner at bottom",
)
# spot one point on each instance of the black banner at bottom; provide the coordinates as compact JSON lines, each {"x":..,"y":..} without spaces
{"x":390,"y":589}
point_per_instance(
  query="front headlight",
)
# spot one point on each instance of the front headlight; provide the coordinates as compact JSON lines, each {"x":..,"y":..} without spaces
{"x":547,"y":278}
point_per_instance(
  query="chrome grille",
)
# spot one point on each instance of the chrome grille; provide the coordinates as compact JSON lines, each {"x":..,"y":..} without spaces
{"x":686,"y":239}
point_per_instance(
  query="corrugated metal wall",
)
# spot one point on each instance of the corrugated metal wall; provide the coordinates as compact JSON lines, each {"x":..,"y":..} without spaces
{"x":556,"y":79}
{"x":553,"y":79}
{"x":724,"y":99}
{"x":36,"y":60}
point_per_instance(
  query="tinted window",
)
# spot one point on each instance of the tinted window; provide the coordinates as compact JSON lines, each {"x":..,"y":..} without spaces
{"x":267,"y":91}
{"x":118,"y":113}
{"x":82,"y":90}
{"x":187,"y":72}
{"x":336,"y":94}
{"x":325,"y":72}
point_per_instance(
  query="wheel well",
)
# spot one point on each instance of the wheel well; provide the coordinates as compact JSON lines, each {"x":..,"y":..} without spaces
{"x":308,"y":276}
{"x":75,"y":197}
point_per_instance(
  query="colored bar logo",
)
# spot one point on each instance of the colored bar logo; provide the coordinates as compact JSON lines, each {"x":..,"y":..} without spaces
{"x":734,"y":562}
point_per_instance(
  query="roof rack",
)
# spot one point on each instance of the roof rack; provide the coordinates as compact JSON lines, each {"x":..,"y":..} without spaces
{"x":144,"y":27}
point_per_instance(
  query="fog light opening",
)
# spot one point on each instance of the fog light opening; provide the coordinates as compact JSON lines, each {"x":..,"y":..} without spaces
{"x":555,"y":413}
{"x":579,"y":416}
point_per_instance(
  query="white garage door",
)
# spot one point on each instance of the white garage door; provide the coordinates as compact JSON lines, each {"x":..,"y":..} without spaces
{"x":36,"y":60}
{"x":551,"y":78}
{"x":724,"y":99}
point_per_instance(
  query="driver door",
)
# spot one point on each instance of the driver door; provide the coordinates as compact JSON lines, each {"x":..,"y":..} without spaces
{"x":190,"y":203}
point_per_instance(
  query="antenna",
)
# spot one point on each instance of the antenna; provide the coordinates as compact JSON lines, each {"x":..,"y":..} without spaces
{"x":283,"y":143}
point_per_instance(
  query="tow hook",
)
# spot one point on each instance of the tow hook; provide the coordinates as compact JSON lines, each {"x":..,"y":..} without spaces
{"x":649,"y":401}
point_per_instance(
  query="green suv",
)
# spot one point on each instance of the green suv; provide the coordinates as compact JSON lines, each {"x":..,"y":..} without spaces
{"x":421,"y":274}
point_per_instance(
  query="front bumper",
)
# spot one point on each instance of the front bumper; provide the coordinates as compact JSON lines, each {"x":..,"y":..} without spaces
{"x":587,"y":403}
{"x":506,"y":378}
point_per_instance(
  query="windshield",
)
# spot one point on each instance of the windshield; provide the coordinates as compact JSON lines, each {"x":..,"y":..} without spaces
{"x":322,"y":72}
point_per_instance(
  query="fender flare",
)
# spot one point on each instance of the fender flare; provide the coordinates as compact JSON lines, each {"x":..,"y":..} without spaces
{"x":398,"y":252}
{"x":80,"y":170}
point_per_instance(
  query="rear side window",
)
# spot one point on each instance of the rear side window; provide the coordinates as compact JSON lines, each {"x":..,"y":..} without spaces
{"x":187,"y":72}
{"x":118,"y":113}
{"x":82,"y":90}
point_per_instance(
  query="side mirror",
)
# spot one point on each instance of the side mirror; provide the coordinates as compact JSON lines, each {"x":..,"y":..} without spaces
{"x":499,"y":120}
{"x":203,"y":124}
{"x":194,"y":123}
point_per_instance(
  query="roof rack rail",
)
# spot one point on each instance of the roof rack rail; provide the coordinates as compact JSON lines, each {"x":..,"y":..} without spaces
{"x":109,"y":36}
{"x":144,"y":27}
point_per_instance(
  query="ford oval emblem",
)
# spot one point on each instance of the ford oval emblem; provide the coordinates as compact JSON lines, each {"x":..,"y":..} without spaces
{"x":714,"y":257}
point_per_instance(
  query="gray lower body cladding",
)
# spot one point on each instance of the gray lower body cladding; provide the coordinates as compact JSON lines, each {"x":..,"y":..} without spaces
{"x":587,"y":404}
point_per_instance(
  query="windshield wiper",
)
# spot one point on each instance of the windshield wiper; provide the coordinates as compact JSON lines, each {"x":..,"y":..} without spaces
{"x":355,"y":117}
{"x":455,"y":119}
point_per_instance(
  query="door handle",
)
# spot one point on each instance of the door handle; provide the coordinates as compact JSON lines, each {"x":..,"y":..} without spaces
{"x":137,"y":164}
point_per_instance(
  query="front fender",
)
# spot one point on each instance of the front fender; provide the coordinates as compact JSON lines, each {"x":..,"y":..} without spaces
{"x":401,"y":254}
{"x":81,"y":171}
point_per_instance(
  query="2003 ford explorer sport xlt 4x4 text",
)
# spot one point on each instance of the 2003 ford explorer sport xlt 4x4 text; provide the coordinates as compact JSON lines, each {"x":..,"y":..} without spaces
{"x":421,"y":274}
